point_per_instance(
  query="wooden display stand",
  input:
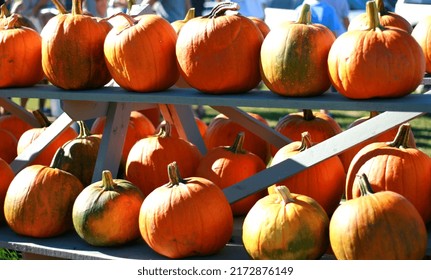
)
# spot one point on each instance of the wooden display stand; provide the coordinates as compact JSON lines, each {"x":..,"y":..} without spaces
{"x":175,"y":105}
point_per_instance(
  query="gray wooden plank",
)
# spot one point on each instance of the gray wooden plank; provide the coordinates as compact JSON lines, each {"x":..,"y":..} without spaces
{"x":19,"y":111}
{"x":321,"y":151}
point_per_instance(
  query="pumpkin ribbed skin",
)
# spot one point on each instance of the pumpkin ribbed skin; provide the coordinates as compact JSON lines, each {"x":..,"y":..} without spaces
{"x":72,"y":50}
{"x":422,"y":35}
{"x":6,"y":177}
{"x":20,"y":62}
{"x":374,"y":226}
{"x":141,"y":55}
{"x":39,"y":201}
{"x":394,"y":166}
{"x":8,"y":145}
{"x":294,"y":57}
{"x":106,"y":213}
{"x":219,"y":54}
{"x":286,"y":226}
{"x":186,"y":217}
{"x":366,"y":64}
{"x":14,"y":124}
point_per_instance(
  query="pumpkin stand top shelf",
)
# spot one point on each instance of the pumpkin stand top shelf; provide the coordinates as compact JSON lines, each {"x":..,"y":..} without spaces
{"x":254,"y":98}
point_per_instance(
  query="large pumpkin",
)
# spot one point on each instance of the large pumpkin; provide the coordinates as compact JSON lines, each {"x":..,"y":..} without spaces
{"x":141,"y":55}
{"x":14,"y":124}
{"x":381,"y":225}
{"x":386,"y":17}
{"x":72,"y":49}
{"x":219,"y":53}
{"x":106,"y":213}
{"x":228,"y":165}
{"x":294,"y":57}
{"x":20,"y":60}
{"x":372,"y":63}
{"x":286,"y":226}
{"x":148,"y":158}
{"x":8,"y":145}
{"x":186,"y":217}
{"x":6,"y":177}
{"x":422,"y":35}
{"x":394,"y":166}
{"x":323,"y":181}
{"x":39,"y":201}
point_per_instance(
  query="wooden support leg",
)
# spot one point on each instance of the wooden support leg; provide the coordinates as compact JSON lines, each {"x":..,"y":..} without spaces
{"x":21,"y":112}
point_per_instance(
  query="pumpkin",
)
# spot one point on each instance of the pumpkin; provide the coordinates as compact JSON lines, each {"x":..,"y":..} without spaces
{"x":72,"y":49}
{"x":372,"y":63}
{"x":22,"y":20}
{"x":228,"y":165}
{"x":8,"y":145}
{"x":261,"y":24}
{"x":322,"y":126}
{"x":374,"y":226}
{"x":347,"y":156}
{"x":386,"y":17}
{"x":394,"y":166}
{"x":141,"y":55}
{"x":219,"y":53}
{"x":149,"y":156}
{"x":186,"y":217}
{"x":39,"y":201}
{"x":6,"y":177}
{"x":20,"y":62}
{"x":46,"y":155}
{"x":420,"y":33}
{"x":14,"y":124}
{"x":106,"y":213}
{"x":294,"y":57}
{"x":79,"y":155}
{"x":323,"y":181}
{"x":222,"y":131}
{"x":286,"y":226}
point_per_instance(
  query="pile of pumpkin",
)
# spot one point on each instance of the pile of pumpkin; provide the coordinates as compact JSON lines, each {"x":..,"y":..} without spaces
{"x":171,"y":195}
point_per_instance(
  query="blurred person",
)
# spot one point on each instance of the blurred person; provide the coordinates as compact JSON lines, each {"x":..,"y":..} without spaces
{"x":283,"y":4}
{"x":199,"y":7}
{"x":250,"y":8}
{"x":342,"y":8}
{"x":171,"y":10}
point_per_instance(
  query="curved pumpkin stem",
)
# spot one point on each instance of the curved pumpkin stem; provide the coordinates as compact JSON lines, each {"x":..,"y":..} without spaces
{"x":60,"y":7}
{"x":373,"y":114}
{"x":41,"y":118}
{"x":130,"y":20}
{"x":381,"y":7}
{"x":305,"y":15}
{"x":308,"y":114}
{"x":107,"y":180}
{"x":373,"y":16}
{"x":76,"y":7}
{"x":174,"y":175}
{"x":401,"y":140}
{"x":237,"y":147}
{"x":4,"y":12}
{"x":305,"y":141}
{"x":12,"y":22}
{"x":84,"y":132}
{"x":57,"y":160}
{"x":285,"y":194}
{"x":364,"y":185}
{"x":165,"y":130}
{"x":221,"y":8}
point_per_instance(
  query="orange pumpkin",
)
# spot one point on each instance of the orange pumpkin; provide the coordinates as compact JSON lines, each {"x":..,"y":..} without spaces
{"x":421,"y":35}
{"x":377,"y":226}
{"x":323,"y":181}
{"x":148,"y":157}
{"x":228,"y":165}
{"x":39,"y":201}
{"x":22,"y":20}
{"x":394,"y":166}
{"x":186,"y":217}
{"x":386,"y":17}
{"x":261,"y":24}
{"x":219,"y":53}
{"x":294,"y":57}
{"x":372,"y":63}
{"x":6,"y":177}
{"x":20,"y":62}
{"x":72,"y":49}
{"x":8,"y":145}
{"x":149,"y":67}
{"x":14,"y":124}
{"x":106,"y":213}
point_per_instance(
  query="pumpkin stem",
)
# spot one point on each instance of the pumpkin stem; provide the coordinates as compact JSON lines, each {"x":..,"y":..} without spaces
{"x":381,"y":7}
{"x":107,"y":180}
{"x":401,"y":140}
{"x":57,"y":160}
{"x":221,"y":8}
{"x":190,"y":14}
{"x":308,"y":114}
{"x":76,"y":7}
{"x":174,"y":175}
{"x":373,"y":114}
{"x":237,"y":147}
{"x":373,"y":16}
{"x":305,"y":141}
{"x":131,"y":21}
{"x":364,"y":185}
{"x":305,"y":15}
{"x":285,"y":194}
{"x":84,"y":132}
{"x":41,"y":118}
{"x":60,"y":7}
{"x":4,"y":12}
{"x":165,"y":130}
{"x":130,"y":3}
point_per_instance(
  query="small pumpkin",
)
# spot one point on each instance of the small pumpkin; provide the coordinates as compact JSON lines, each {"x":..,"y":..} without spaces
{"x":6,"y":177}
{"x":186,"y":217}
{"x":8,"y":145}
{"x":39,"y":201}
{"x":294,"y":57}
{"x":371,"y":63}
{"x":421,"y":35}
{"x":286,"y":226}
{"x":106,"y":213}
{"x":377,"y":226}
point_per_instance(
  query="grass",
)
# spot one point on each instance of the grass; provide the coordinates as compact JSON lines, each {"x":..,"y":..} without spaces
{"x":6,"y":254}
